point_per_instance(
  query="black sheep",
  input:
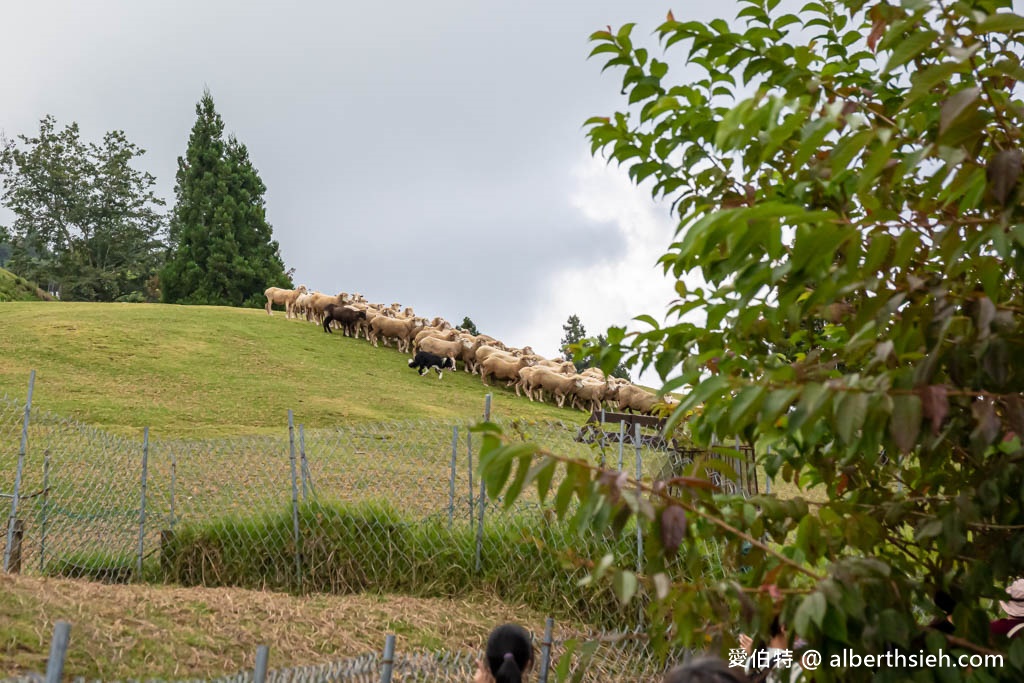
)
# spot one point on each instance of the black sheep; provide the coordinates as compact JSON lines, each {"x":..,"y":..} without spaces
{"x":346,"y":316}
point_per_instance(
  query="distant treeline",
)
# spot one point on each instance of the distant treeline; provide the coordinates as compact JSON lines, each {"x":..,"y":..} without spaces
{"x":87,"y":225}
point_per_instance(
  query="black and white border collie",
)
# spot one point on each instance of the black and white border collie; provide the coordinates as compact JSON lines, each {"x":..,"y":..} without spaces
{"x":425,"y":361}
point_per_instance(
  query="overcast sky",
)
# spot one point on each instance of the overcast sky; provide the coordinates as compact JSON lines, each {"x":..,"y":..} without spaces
{"x":429,"y":153}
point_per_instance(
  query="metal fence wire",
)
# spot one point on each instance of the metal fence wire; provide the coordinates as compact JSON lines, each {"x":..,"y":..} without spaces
{"x":389,"y":507}
{"x":622,"y":657}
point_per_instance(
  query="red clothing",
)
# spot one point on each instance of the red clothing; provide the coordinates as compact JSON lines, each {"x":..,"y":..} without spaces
{"x":1002,"y":627}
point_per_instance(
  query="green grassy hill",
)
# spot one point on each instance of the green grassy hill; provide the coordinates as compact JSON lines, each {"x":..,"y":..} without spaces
{"x":14,"y":288}
{"x":193,"y":371}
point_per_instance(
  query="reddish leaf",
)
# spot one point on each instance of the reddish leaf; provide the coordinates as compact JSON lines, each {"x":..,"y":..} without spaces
{"x":670,"y":17}
{"x":906,"y":421}
{"x":1003,"y":172}
{"x":1014,"y":412}
{"x":877,"y":27}
{"x":957,"y":105}
{"x":987,"y":423}
{"x":934,"y":405}
{"x":844,"y":481}
{"x":673,"y":529}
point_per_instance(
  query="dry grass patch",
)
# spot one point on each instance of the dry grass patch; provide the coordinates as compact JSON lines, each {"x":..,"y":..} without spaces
{"x":141,"y":631}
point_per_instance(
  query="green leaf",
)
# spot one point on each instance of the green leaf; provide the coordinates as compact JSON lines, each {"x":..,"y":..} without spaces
{"x":851,"y":410}
{"x":777,"y":402}
{"x":811,"y":611}
{"x":1001,"y":22}
{"x":928,"y":78}
{"x":908,"y":48}
{"x":624,"y":584}
{"x":905,"y":423}
{"x":746,"y":403}
{"x":545,"y":473}
{"x":602,"y":566}
{"x":563,"y":497}
{"x":516,"y":487}
{"x":604,"y":47}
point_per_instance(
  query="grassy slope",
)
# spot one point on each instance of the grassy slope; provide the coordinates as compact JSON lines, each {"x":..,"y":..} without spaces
{"x":14,"y":288}
{"x":209,"y":371}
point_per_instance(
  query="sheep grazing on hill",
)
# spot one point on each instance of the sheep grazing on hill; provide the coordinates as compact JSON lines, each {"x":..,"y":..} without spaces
{"x":402,"y":330}
{"x":442,"y":347}
{"x":632,"y":398}
{"x":283,"y":297}
{"x":424,"y":361}
{"x":502,"y":368}
{"x":557,"y":384}
{"x":345,"y":316}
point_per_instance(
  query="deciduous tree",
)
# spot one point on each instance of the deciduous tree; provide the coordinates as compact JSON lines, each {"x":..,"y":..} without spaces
{"x":86,"y":221}
{"x":859,"y":166}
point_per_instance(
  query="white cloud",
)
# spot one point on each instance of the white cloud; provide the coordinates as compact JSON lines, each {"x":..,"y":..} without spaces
{"x":626,"y":282}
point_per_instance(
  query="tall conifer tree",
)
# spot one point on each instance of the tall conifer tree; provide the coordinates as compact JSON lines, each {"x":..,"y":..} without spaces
{"x":222,"y":250}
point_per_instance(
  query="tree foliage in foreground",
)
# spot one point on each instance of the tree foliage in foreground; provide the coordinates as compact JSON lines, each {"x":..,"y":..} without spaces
{"x":848,"y":186}
{"x":222,"y":250}
{"x":575,"y":341}
{"x":85,"y":221}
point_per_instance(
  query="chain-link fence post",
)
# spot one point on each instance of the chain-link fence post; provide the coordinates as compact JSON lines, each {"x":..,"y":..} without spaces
{"x":482,"y":497}
{"x":637,"y":444}
{"x":142,"y":503}
{"x":58,"y":651}
{"x":304,"y":468}
{"x":389,"y":658}
{"x":451,"y":481}
{"x":259,"y":674}
{"x":622,"y":441}
{"x":44,"y":513}
{"x":174,"y":477}
{"x":469,"y":461}
{"x":12,"y":520}
{"x":545,"y":651}
{"x":295,"y":499}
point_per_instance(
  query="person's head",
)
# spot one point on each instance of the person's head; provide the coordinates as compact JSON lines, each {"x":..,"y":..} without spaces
{"x":704,"y":670}
{"x":509,"y":653}
{"x":945,"y":601}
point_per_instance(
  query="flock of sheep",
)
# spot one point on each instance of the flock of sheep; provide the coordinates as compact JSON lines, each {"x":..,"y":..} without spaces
{"x":530,"y":373}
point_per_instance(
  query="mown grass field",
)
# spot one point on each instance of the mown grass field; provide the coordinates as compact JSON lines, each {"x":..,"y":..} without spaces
{"x":197,"y":372}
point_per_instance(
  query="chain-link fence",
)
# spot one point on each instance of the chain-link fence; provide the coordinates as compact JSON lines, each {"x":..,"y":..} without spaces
{"x":390,"y":507}
{"x":621,"y":657}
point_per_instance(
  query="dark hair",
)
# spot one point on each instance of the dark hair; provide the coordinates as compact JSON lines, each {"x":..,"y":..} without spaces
{"x":945,"y":601}
{"x":704,"y":670}
{"x":509,"y":653}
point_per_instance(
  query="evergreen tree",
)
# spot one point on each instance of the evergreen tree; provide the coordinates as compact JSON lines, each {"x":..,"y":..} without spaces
{"x":469,"y":326}
{"x":222,"y":250}
{"x":574,"y":334}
